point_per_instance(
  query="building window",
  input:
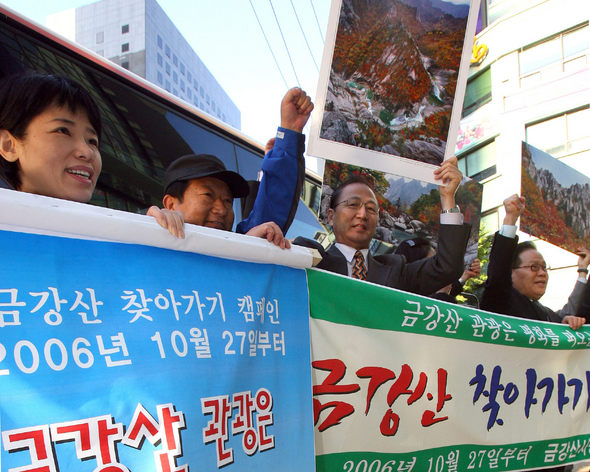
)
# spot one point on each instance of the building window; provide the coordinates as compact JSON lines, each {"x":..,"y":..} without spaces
{"x":160,"y":60}
{"x":160,"y":42}
{"x":495,"y":9}
{"x":202,"y":92}
{"x":182,"y":68}
{"x":175,"y":77}
{"x":563,"y":135}
{"x":125,"y":47}
{"x":478,"y":92}
{"x":566,"y":52}
{"x":479,"y":163}
{"x":167,"y":51}
{"x":160,"y":78}
{"x":208,"y":101}
{"x":168,"y":68}
{"x":189,"y":93}
{"x":189,"y":77}
{"x":100,"y":37}
{"x":168,"y":85}
{"x":490,"y":221}
{"x":175,"y":60}
{"x":124,"y":29}
{"x":125,"y":65}
{"x":182,"y":85}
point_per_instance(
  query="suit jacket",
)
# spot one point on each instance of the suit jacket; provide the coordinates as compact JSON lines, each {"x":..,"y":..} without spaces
{"x":575,"y":301}
{"x":500,"y":296}
{"x":425,"y":276}
{"x":584,"y":306}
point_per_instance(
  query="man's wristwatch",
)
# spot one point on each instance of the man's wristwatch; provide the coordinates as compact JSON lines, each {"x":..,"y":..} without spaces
{"x":455,"y":209}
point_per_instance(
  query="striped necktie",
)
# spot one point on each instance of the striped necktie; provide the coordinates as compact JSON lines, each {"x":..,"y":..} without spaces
{"x":359,"y":271}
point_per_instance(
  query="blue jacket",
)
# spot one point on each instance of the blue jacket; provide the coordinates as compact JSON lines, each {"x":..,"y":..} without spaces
{"x":4,"y":184}
{"x":282,"y":180}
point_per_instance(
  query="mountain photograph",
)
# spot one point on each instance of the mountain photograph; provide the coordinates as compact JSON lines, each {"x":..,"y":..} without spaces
{"x":394,"y":74}
{"x":557,"y":200}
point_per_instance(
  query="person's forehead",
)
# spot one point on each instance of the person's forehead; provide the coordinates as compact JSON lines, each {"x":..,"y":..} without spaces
{"x":212,"y":184}
{"x":54,"y":110}
{"x":531,"y":255}
{"x":357,"y":189}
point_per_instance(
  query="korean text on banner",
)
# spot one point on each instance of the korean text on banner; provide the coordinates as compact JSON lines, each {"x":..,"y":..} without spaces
{"x":408,"y":383}
{"x":124,"y":357}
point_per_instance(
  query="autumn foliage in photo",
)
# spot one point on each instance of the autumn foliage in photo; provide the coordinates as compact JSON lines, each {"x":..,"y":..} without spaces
{"x":550,"y":213}
{"x":394,"y":75}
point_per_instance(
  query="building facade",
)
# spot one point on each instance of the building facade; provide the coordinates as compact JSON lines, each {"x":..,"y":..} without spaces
{"x":531,"y":85}
{"x":139,"y":36}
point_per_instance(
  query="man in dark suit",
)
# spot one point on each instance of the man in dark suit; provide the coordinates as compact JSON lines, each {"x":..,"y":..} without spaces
{"x":354,"y":214}
{"x":517,"y":276}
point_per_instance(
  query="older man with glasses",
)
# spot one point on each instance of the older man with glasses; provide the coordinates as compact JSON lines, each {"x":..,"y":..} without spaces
{"x":354,"y":214}
{"x":518,"y":276}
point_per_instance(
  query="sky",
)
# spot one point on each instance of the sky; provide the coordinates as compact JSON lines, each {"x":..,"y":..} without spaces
{"x":228,"y":39}
{"x":564,"y":174}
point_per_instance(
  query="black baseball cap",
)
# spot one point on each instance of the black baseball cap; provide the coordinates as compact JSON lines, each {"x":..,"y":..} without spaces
{"x":196,"y":166}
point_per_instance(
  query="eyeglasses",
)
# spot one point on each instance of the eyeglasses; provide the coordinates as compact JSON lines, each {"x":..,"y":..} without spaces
{"x":356,"y":204}
{"x":535,"y":267}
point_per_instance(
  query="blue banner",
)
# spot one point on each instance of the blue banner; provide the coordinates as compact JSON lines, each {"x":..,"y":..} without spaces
{"x":118,"y":357}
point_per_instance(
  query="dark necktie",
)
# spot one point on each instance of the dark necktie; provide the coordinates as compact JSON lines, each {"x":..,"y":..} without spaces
{"x":359,"y":271}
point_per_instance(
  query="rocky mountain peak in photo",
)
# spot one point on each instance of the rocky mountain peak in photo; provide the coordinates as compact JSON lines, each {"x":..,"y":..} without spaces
{"x":393,"y":77}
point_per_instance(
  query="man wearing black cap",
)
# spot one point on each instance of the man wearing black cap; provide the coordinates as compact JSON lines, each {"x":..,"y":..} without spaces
{"x":201,"y":189}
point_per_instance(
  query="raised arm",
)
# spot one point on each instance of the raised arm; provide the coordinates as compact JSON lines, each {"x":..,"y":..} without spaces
{"x":498,"y":286}
{"x":451,"y":177}
{"x":296,"y":107}
{"x":283,"y":167}
{"x":514,"y":206}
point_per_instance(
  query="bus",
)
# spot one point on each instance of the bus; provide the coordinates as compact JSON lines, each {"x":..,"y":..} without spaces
{"x":144,"y":127}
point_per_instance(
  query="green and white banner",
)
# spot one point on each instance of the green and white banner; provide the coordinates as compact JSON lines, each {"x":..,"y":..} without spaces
{"x":408,"y":383}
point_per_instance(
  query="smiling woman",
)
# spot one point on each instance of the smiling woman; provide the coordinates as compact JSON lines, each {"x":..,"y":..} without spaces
{"x":49,"y":135}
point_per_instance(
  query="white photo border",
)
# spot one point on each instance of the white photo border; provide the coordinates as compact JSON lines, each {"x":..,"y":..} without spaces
{"x":397,"y":165}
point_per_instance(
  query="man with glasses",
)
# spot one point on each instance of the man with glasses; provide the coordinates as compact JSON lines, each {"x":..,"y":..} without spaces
{"x":354,"y":214}
{"x":518,"y":276}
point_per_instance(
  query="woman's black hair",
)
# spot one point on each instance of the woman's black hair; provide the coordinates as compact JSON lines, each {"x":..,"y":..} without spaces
{"x":414,"y":249}
{"x":25,"y":96}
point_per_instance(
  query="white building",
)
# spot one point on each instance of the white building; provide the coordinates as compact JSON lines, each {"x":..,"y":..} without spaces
{"x":139,"y":36}
{"x":533,"y":86}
